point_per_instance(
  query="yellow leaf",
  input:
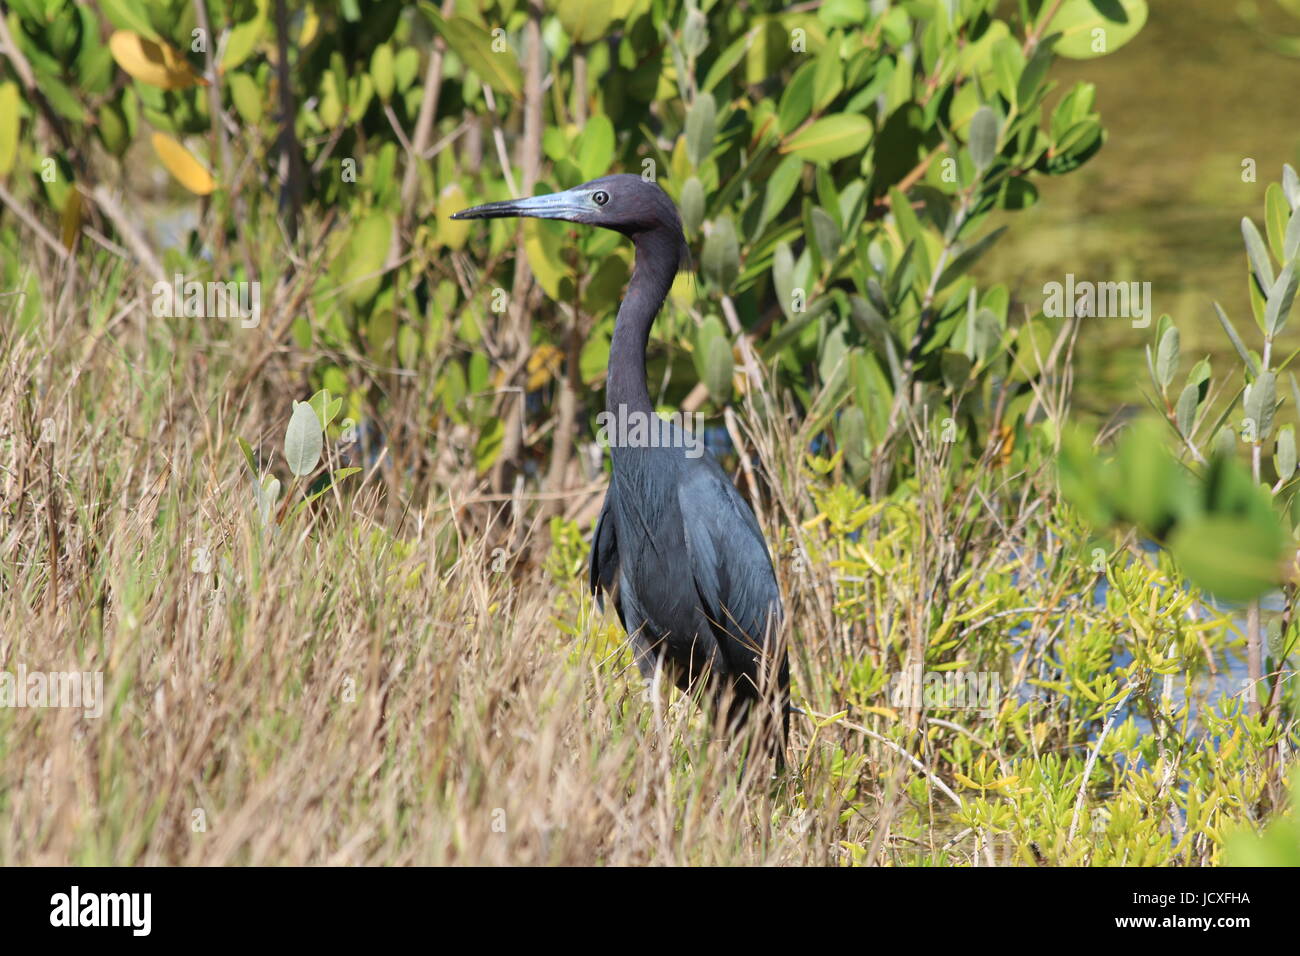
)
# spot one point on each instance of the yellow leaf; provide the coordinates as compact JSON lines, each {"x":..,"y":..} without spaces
{"x":310,"y":24}
{"x":70,"y":219}
{"x":451,"y":233}
{"x":243,"y":39}
{"x":543,"y":365}
{"x":152,"y":62}
{"x":8,"y":127}
{"x":882,"y":712}
{"x":180,"y":162}
{"x":831,"y":719}
{"x":546,"y":266}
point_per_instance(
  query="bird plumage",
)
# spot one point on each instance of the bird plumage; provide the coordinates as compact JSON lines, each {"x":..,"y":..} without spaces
{"x":675,"y":543}
{"x":684,"y":558}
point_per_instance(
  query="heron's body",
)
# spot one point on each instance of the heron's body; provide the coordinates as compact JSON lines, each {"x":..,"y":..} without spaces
{"x":676,"y":545}
{"x":694,"y":585}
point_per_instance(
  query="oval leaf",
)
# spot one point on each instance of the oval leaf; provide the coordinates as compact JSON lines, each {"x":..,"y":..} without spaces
{"x":303,"y":440}
{"x":152,"y":61}
{"x":831,"y":138}
{"x":180,"y":162}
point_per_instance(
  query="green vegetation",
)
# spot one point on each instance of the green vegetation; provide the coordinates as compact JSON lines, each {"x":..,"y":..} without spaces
{"x":325,"y":537}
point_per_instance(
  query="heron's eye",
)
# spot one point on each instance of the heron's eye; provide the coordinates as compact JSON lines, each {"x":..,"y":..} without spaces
{"x":600,"y":197}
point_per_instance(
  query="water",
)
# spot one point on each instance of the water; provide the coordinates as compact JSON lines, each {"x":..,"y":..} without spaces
{"x":1183,"y":104}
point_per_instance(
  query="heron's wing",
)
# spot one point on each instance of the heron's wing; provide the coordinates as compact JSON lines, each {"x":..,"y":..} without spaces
{"x":730,"y":563}
{"x":604,"y":555}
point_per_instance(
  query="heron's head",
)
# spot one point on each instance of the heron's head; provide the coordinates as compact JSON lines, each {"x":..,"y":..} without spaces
{"x":622,"y":202}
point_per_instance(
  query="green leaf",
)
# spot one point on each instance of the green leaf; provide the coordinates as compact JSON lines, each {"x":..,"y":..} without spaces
{"x":728,"y":60}
{"x":719,"y":366}
{"x":1291,"y":241}
{"x":1149,"y":488}
{"x":828,"y":81}
{"x":780,"y":187}
{"x":1235,"y":339}
{"x":324,"y":407}
{"x":594,"y":360}
{"x":1035,"y":71}
{"x":796,"y":101}
{"x":488,"y":447}
{"x":1291,"y":186}
{"x":826,"y":232}
{"x":247,"y":449}
{"x":406,"y":66}
{"x":1284,"y":454}
{"x":831,"y":138}
{"x":243,"y":39}
{"x":266,"y":493}
{"x":605,"y":288}
{"x":851,"y":436}
{"x":1185,"y":410}
{"x":303,"y":440}
{"x":381,"y":71}
{"x":1167,"y":357}
{"x":1261,"y":403}
{"x":691,"y":202}
{"x":1276,"y":212}
{"x":1257,"y":252}
{"x":129,"y":15}
{"x":701,"y":127}
{"x":983,"y":138}
{"x":594,"y":149}
{"x":473,"y":45}
{"x":338,"y":475}
{"x":1092,"y":28}
{"x":783,"y":278}
{"x":721,"y":256}
{"x":963,"y":261}
{"x":1234,"y":558}
{"x":367,"y":250}
{"x":1280,"y":297}
{"x":247,"y":97}
{"x":585,"y":21}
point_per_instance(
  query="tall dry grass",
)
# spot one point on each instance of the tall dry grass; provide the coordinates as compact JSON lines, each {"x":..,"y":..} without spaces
{"x":357,"y":686}
{"x":369,"y":682}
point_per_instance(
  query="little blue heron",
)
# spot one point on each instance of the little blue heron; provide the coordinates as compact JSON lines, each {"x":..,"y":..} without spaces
{"x":676,"y":546}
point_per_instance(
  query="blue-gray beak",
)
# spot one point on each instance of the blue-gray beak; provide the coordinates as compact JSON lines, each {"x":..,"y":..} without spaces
{"x":568,"y":205}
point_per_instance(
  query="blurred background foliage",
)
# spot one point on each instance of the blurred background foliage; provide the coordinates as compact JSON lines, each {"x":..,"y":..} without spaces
{"x":836,"y":165}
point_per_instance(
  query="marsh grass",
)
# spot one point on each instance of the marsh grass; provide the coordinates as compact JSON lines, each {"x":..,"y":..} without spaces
{"x":367,"y":682}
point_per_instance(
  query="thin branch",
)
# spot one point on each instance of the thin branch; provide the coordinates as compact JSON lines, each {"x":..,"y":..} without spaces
{"x":32,"y":223}
{"x":1092,"y":760}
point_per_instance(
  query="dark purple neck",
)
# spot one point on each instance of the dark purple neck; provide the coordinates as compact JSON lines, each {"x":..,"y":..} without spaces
{"x":657,"y":253}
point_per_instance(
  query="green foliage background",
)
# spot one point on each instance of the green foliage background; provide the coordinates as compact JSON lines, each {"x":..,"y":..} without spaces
{"x":835,"y":168}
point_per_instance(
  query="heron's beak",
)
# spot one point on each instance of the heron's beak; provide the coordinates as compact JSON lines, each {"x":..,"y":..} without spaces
{"x":564,"y":205}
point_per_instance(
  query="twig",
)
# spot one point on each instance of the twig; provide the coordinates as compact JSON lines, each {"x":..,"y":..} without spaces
{"x":1092,"y":760}
{"x":499,"y":140}
{"x":943,"y":787}
{"x":130,"y":235}
{"x":290,"y":163}
{"x":424,"y":120}
{"x":32,"y":223}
